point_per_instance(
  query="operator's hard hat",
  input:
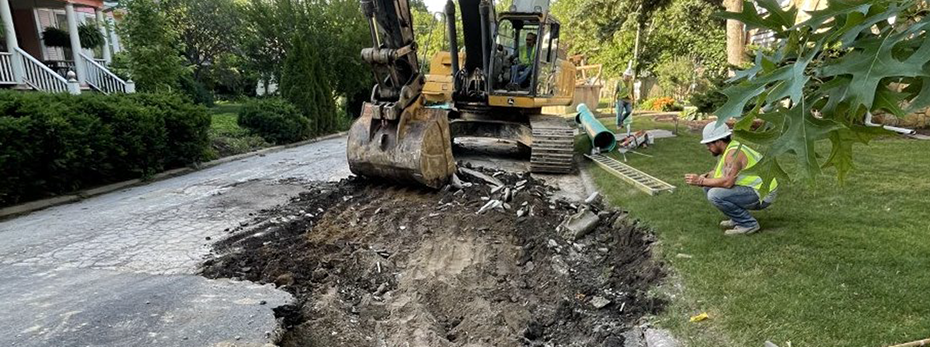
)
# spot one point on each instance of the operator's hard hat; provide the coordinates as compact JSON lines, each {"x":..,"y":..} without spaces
{"x":628,"y":72}
{"x":712,"y":132}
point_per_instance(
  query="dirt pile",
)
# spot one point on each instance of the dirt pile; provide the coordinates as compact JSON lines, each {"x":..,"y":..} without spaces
{"x":376,"y":265}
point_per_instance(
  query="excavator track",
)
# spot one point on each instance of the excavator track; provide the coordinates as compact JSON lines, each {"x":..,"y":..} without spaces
{"x":553,"y":145}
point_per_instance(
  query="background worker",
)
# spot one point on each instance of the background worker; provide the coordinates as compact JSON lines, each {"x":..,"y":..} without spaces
{"x":727,"y":187}
{"x":524,"y":66}
{"x":623,"y":94}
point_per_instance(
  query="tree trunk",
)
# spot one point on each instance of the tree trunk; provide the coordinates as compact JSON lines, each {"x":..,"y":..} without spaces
{"x":736,"y":38}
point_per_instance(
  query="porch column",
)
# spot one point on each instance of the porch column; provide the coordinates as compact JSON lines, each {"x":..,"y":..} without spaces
{"x":107,"y":56}
{"x":10,"y":32}
{"x":114,"y":38}
{"x":75,"y":43}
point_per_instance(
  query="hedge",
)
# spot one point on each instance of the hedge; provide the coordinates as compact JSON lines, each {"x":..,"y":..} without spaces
{"x":275,"y":119}
{"x":57,"y":143}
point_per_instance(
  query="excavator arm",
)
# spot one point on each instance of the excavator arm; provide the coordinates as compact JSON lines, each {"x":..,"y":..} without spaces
{"x":396,"y":137}
{"x":393,"y":56}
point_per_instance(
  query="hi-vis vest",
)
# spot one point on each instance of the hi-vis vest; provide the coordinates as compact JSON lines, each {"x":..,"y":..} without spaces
{"x":753,"y":157}
{"x":527,"y":54}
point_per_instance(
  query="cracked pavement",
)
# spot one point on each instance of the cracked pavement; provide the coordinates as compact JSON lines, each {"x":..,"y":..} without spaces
{"x":119,"y":269}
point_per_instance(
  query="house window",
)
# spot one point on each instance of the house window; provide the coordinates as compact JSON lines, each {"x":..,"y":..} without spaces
{"x":46,"y":18}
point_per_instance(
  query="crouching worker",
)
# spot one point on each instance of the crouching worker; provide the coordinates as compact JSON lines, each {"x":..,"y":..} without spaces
{"x":729,"y":189}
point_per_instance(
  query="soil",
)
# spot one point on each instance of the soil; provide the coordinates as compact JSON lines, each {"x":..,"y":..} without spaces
{"x":380,"y":265}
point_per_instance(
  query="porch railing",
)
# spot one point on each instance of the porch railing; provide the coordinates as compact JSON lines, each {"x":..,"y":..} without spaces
{"x":39,"y":76}
{"x":6,"y":68}
{"x":103,"y":80}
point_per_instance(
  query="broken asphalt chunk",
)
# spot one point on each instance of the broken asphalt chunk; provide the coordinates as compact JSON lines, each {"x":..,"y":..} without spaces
{"x":599,"y":302}
{"x":478,"y":175}
{"x":578,"y":225}
{"x":489,"y":206}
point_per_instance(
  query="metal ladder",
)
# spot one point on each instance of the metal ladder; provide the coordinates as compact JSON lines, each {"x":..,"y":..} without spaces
{"x":641,"y":180}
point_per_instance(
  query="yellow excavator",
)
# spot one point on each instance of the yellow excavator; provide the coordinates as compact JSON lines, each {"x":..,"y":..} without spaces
{"x":511,"y":68}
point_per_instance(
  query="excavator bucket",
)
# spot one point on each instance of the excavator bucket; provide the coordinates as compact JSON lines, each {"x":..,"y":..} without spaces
{"x":415,"y":149}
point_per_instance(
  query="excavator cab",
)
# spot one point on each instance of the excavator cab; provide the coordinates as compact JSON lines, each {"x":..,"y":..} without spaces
{"x":529,"y":43}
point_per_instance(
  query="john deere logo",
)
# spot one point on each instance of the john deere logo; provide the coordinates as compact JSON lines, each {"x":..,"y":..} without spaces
{"x":510,"y":101}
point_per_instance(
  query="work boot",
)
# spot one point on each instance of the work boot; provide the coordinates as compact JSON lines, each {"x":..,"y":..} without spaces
{"x":727,"y":224}
{"x":740,"y":230}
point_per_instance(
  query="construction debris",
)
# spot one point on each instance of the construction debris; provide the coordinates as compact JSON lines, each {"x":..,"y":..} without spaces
{"x":501,"y":277}
{"x":478,"y":175}
{"x":489,"y":206}
{"x":578,"y":225}
{"x":599,"y":302}
{"x":699,"y":317}
{"x":591,"y":198}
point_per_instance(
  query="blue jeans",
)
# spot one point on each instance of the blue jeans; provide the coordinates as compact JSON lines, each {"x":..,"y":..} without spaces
{"x":519,"y":73}
{"x":623,"y":109}
{"x":736,"y":203}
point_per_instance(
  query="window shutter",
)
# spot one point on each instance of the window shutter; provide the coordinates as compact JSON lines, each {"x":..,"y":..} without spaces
{"x":47,"y":19}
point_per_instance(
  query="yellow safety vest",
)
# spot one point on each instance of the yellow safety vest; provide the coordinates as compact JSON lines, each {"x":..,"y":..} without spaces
{"x":624,"y":90}
{"x":753,"y":157}
{"x":527,"y":54}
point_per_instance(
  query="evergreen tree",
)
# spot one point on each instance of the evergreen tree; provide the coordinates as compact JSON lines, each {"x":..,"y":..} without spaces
{"x":304,"y":83}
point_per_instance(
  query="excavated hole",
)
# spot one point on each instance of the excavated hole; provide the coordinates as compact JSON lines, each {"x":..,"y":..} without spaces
{"x":377,"y":265}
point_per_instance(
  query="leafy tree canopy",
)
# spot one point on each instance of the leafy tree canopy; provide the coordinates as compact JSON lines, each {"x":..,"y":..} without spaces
{"x":824,"y":75}
{"x":605,"y":32}
{"x":152,"y":45}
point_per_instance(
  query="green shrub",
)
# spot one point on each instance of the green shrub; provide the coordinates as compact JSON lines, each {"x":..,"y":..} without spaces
{"x":275,"y":120}
{"x":711,"y":99}
{"x":228,"y":138}
{"x":196,"y":91}
{"x":187,"y":126}
{"x":56,"y":143}
{"x":676,"y":76}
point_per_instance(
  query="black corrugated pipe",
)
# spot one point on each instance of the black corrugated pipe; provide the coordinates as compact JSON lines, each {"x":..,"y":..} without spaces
{"x":485,"y":10}
{"x":453,"y":37}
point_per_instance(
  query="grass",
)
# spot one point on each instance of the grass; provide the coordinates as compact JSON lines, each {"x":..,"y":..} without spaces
{"x":226,"y":135}
{"x":221,"y":107}
{"x":835,"y":265}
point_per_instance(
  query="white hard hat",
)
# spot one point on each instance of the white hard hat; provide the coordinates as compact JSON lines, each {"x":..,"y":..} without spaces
{"x":712,"y":132}
{"x":628,"y":72}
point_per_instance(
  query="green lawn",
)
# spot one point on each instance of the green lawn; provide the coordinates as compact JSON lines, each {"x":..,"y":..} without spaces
{"x":833,"y":266}
{"x":226,"y":107}
{"x":226,"y":135}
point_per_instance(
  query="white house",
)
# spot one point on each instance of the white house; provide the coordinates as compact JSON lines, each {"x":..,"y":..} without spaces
{"x":26,"y":62}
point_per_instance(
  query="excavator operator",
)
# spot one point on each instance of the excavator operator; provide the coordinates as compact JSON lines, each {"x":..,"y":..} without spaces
{"x":521,"y":71}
